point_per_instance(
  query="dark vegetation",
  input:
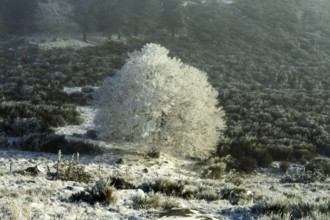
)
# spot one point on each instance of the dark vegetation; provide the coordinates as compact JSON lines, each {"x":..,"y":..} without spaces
{"x":50,"y":142}
{"x":268,"y":59}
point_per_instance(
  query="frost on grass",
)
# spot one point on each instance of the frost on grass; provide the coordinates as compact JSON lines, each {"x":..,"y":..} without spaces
{"x":160,"y":102}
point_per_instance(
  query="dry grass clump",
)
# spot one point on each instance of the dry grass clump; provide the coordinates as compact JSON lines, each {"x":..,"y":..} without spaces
{"x":236,"y":196}
{"x":169,"y":203}
{"x":147,"y":201}
{"x":154,"y":201}
{"x":208,"y":194}
{"x":215,"y":171}
{"x":234,"y":177}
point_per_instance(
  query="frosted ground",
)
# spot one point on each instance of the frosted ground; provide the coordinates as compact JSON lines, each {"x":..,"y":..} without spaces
{"x":25,"y":196}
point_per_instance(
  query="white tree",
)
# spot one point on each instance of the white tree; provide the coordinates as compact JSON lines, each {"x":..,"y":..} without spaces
{"x":54,"y":16}
{"x":160,"y":102}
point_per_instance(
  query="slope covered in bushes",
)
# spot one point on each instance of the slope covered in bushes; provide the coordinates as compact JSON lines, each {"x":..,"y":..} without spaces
{"x":270,"y":63}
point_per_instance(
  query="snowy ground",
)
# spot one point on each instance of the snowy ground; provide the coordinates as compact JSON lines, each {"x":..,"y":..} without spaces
{"x":36,"y":197}
{"x":29,"y":197}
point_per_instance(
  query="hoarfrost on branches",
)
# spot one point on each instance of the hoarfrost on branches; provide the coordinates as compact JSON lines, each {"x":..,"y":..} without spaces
{"x":161,"y":103}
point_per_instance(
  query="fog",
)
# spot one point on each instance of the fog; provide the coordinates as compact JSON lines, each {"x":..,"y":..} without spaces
{"x":158,"y":18}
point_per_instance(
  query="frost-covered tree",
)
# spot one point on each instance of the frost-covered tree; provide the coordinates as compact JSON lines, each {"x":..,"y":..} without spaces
{"x":160,"y":102}
{"x":54,"y":16}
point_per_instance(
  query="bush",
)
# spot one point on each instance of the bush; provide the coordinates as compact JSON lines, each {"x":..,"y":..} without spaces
{"x":247,"y":164}
{"x":48,"y":115}
{"x":102,"y":192}
{"x":284,"y":166}
{"x":160,"y":102}
{"x":167,"y":187}
{"x":320,"y":165}
{"x":153,"y":153}
{"x":303,"y":176}
{"x":264,"y":159}
{"x":49,"y":142}
{"x":70,"y":170}
{"x":208,"y":194}
{"x":234,"y":178}
{"x":148,"y":201}
{"x":121,"y":183}
{"x":245,"y":156}
{"x":170,"y":203}
{"x":215,"y":171}
{"x":235,"y":195}
{"x":22,"y":127}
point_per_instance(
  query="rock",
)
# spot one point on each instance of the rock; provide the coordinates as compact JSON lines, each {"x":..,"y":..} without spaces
{"x":145,"y":170}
